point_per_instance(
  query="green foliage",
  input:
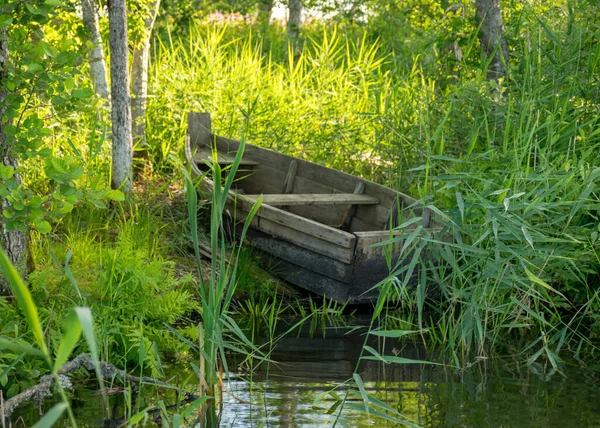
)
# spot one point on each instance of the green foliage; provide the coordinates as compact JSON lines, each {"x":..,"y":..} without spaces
{"x":128,"y":283}
{"x":397,"y":95}
{"x":516,"y":175}
{"x":45,"y":89}
{"x":78,"y":320}
{"x":217,"y":331}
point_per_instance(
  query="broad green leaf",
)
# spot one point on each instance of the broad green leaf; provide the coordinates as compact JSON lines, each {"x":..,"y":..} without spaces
{"x":87,"y":325}
{"x":363,"y":392}
{"x":82,"y":93}
{"x":114,"y":195}
{"x":58,"y":100}
{"x":33,"y":10}
{"x":5,"y":21}
{"x":43,"y":227}
{"x":138,"y":417}
{"x":194,"y":405}
{"x":71,"y":335}
{"x":6,"y":172}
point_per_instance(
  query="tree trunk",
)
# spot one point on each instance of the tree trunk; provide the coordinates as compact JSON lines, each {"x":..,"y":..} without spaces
{"x":264,"y":14}
{"x":96,"y":55}
{"x":139,"y":79}
{"x":295,"y":15}
{"x":493,"y":42}
{"x":14,"y":243}
{"x":121,"y":109}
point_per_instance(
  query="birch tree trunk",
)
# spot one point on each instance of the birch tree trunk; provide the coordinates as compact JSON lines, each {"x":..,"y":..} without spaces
{"x":139,"y":79}
{"x":96,"y":55}
{"x":493,"y":42}
{"x":14,"y":243}
{"x":121,"y":110}
{"x":295,"y":15}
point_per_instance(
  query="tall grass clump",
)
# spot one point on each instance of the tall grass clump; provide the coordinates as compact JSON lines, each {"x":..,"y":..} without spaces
{"x":216,"y":294}
{"x":516,"y":175}
{"x":333,"y":103}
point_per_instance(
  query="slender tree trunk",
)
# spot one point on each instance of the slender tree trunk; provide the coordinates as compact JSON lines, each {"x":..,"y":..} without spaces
{"x":139,"y":79}
{"x":264,"y":14}
{"x":493,"y":42}
{"x":295,"y":15}
{"x":96,"y":56}
{"x":14,"y":243}
{"x":121,"y":109}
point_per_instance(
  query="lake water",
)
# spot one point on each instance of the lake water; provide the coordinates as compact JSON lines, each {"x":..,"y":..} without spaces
{"x":501,"y":393}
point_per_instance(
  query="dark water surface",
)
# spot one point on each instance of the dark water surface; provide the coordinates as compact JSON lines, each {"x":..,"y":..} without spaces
{"x":502,"y":393}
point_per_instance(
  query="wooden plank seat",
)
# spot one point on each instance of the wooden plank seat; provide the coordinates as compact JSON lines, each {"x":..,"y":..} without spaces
{"x":205,"y":155}
{"x":316,"y":199}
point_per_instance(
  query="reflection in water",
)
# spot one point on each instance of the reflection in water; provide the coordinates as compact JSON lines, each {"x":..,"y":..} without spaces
{"x":489,"y":394}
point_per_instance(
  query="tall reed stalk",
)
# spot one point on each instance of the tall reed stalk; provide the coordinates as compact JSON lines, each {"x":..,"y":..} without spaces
{"x":217,"y":330}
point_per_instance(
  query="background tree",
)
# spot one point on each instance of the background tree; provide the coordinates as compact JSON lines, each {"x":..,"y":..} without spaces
{"x":139,"y":76}
{"x":491,"y":35}
{"x":294,"y":19}
{"x":14,"y":242}
{"x":121,"y":109}
{"x":96,"y":54}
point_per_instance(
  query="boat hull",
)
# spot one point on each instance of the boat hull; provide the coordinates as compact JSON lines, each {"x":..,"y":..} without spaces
{"x":322,"y":230}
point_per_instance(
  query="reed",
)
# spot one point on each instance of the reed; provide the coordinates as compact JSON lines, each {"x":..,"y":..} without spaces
{"x":508,"y":166}
{"x":218,"y":331}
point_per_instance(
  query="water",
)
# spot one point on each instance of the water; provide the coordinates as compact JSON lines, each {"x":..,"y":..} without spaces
{"x":505,"y":393}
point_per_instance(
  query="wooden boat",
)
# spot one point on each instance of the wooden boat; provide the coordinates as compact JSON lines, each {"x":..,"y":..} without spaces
{"x":316,"y":226}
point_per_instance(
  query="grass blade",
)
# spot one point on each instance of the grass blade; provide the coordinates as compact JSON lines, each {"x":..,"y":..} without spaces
{"x":25,"y":301}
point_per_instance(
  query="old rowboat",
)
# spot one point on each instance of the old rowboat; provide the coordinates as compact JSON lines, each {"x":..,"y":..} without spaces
{"x":317,"y":226}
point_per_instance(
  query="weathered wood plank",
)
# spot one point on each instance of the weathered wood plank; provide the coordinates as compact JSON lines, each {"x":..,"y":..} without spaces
{"x":306,"y":279}
{"x":317,"y":173}
{"x":366,"y":240}
{"x":267,"y":180}
{"x":359,"y":225}
{"x":358,"y":190}
{"x":205,"y":155}
{"x":317,"y":199}
{"x":289,"y":179}
{"x":306,"y":240}
{"x":197,"y":135}
{"x":293,"y":221}
{"x":302,"y":257}
{"x":199,"y":130}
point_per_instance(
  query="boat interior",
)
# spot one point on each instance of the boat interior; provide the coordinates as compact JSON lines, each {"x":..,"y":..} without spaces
{"x":321,"y":194}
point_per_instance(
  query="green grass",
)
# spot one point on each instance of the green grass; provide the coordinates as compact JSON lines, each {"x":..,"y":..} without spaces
{"x":509,"y":168}
{"x":511,"y":165}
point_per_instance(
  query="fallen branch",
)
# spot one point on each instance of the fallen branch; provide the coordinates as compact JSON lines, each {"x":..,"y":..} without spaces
{"x":43,"y":389}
